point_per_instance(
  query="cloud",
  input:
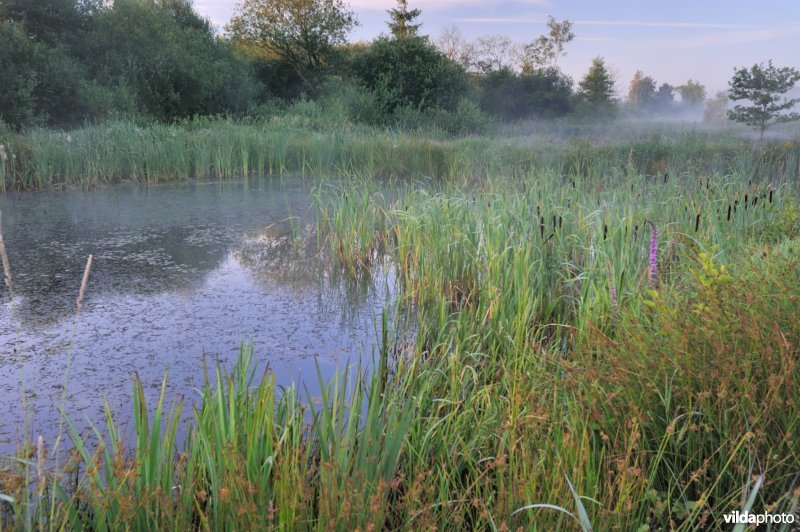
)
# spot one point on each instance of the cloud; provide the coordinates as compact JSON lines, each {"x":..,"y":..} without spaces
{"x":730,"y":38}
{"x":434,"y":5}
{"x":616,"y":23}
{"x":217,"y":11}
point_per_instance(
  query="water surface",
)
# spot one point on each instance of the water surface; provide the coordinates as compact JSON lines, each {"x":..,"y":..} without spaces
{"x":182,"y":273}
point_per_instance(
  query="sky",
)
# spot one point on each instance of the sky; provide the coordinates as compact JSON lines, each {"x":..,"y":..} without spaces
{"x":669,"y":40}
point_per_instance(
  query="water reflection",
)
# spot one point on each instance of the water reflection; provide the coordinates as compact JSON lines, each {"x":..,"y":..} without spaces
{"x":181,"y":273}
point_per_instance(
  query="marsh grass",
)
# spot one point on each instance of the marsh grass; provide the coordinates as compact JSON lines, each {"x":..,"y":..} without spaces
{"x":531,"y":394}
{"x":96,"y":155}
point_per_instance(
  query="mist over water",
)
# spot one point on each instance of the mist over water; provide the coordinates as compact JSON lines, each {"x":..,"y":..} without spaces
{"x":182,"y":275}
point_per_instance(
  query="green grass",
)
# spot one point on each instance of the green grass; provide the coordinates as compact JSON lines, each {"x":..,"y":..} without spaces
{"x":113,"y":152}
{"x":552,"y":380}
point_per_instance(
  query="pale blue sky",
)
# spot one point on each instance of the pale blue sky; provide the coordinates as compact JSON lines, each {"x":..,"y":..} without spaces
{"x":670,"y":40}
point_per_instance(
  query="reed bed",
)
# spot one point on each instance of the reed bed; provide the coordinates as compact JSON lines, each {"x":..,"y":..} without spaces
{"x":602,"y":337}
{"x":220,"y":149}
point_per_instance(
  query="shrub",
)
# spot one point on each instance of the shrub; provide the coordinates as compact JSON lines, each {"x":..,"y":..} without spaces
{"x":409,"y":72}
{"x":512,"y":96}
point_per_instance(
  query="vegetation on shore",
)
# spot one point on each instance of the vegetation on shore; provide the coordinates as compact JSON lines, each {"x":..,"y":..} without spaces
{"x":310,"y":140}
{"x":604,"y":334}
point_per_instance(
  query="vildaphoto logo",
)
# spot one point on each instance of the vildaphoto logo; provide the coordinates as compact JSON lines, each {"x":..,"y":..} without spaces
{"x":751,"y":518}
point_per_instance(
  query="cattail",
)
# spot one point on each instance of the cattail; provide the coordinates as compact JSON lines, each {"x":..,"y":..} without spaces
{"x":84,"y":282}
{"x":612,"y":291}
{"x":653,"y":270}
{"x":729,"y":213}
{"x":605,"y":231}
{"x":666,"y":177}
{"x":697,"y":221}
{"x":40,"y":458}
{"x":541,"y":226}
{"x":559,"y":222}
{"x":4,"y":256}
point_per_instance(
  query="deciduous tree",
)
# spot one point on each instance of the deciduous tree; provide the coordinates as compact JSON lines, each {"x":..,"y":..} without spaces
{"x":692,"y":93}
{"x":303,"y":33}
{"x":642,"y":92}
{"x":764,"y":87}
{"x":546,"y":49}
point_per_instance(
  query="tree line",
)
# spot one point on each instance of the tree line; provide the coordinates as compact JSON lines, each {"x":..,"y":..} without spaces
{"x":65,"y":62}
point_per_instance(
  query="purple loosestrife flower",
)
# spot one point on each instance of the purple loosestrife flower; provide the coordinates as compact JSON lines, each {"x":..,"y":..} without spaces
{"x":653,"y":271}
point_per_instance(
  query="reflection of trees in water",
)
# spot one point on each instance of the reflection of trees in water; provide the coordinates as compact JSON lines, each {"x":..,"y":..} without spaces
{"x":47,"y":276}
{"x":145,"y":240}
{"x":274,"y":257}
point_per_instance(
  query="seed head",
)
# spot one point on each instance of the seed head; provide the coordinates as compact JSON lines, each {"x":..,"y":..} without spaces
{"x":653,"y":270}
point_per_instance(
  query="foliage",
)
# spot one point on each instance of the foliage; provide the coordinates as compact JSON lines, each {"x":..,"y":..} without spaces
{"x":53,"y":22}
{"x":716,"y":108}
{"x":40,"y":83}
{"x":692,"y":93}
{"x":764,"y":87}
{"x":642,"y":92}
{"x":400,"y":20}
{"x":70,"y":61}
{"x":664,"y":97}
{"x":597,"y":87}
{"x":409,"y":72}
{"x":545,"y":50}
{"x":303,"y":33}
{"x":169,"y":59}
{"x":540,"y":385}
{"x":511,"y":96}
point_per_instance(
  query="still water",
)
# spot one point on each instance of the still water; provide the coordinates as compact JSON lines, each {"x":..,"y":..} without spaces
{"x":181,"y":273}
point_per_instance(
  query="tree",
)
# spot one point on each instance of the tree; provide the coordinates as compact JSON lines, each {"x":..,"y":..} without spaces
{"x":545,"y":50}
{"x":642,"y":92}
{"x":664,"y":97}
{"x":409,"y":72}
{"x":400,"y":20}
{"x":692,"y":94}
{"x":457,"y":49}
{"x":765,"y":88}
{"x":495,"y":52}
{"x":716,"y":108}
{"x":512,"y":96}
{"x":303,"y":33}
{"x":596,"y":88}
{"x":166,"y":58}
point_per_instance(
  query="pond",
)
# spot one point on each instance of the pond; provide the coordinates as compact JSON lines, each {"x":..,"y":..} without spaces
{"x":181,"y":273}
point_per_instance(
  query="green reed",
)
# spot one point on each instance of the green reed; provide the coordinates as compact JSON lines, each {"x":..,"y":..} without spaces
{"x":543,"y":382}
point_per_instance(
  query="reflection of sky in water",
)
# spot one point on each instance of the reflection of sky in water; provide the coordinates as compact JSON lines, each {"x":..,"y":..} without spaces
{"x":180,"y":272}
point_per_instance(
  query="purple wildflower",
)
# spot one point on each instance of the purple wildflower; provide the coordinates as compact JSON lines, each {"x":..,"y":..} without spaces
{"x":653,"y":271}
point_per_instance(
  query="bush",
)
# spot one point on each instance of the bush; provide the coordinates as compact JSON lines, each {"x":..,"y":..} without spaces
{"x":409,"y":72}
{"x":170,"y":59}
{"x":512,"y":96}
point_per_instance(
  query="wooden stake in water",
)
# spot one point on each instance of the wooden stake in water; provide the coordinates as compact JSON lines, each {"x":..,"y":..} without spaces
{"x":84,"y":282}
{"x":4,"y":256}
